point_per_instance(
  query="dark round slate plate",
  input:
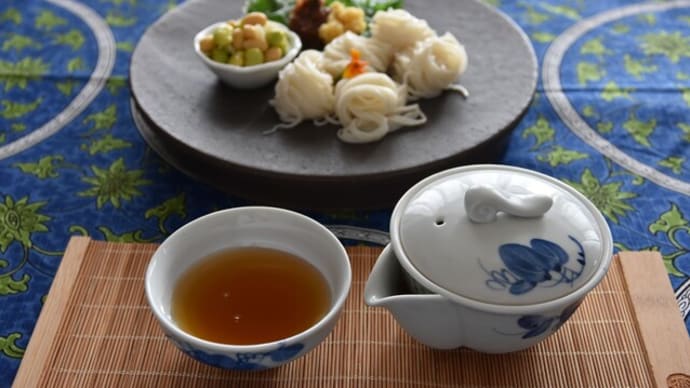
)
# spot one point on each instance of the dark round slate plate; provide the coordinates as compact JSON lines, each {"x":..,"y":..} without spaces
{"x":215,"y":133}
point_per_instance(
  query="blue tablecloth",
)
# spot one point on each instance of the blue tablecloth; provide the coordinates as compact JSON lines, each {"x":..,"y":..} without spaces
{"x":611,"y":117}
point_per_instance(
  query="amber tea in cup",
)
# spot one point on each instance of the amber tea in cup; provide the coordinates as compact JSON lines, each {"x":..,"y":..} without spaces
{"x":249,"y":295}
{"x":259,"y":337}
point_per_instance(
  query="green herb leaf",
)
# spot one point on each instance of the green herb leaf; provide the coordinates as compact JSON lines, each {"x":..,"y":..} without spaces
{"x":279,"y":10}
{"x":370,"y":7}
{"x":276,"y":10}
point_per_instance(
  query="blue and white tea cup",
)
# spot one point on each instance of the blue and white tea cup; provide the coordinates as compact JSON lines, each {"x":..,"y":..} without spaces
{"x":251,"y":226}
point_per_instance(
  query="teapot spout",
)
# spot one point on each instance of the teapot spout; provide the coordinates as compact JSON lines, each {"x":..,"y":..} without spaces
{"x":429,"y":318}
{"x":386,"y":281}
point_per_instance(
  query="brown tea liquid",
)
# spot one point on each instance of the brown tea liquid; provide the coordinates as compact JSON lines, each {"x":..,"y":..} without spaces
{"x":248,"y":296}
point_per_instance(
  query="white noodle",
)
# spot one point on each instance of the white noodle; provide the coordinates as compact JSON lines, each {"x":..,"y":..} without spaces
{"x":371,"y":105}
{"x":303,"y":91}
{"x":337,"y":54}
{"x":431,"y":66}
{"x":399,"y":28}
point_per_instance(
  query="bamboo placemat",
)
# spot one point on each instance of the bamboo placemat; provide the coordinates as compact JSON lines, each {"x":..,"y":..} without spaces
{"x":96,"y":330}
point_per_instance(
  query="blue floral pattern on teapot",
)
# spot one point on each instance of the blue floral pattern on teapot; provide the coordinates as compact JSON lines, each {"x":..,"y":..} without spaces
{"x":538,"y":324}
{"x":542,"y":263}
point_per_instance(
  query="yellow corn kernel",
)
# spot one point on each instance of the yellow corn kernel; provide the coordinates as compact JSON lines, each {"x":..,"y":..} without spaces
{"x":254,"y":37}
{"x":255,"y":43}
{"x":353,"y":19}
{"x":356,"y":26}
{"x":207,"y":44}
{"x":255,"y":18}
{"x":252,"y":31}
{"x":330,"y":30}
{"x":336,"y":10}
{"x":273,"y":54}
{"x":237,"y":38}
{"x":350,"y":14}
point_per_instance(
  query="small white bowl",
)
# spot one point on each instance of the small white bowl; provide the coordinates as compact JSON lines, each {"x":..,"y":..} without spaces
{"x":266,"y":227}
{"x":248,"y":77}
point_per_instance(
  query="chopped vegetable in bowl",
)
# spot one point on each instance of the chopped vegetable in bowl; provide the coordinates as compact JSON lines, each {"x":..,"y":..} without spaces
{"x":246,"y":54}
{"x":249,"y":41}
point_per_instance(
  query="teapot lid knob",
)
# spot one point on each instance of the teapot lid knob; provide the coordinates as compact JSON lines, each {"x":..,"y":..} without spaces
{"x":482,"y":204}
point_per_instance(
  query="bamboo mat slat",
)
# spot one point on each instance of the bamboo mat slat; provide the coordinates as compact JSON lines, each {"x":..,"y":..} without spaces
{"x":96,"y":330}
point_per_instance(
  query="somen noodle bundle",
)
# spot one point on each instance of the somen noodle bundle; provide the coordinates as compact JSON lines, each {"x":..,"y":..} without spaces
{"x":399,"y":29}
{"x":371,"y":105}
{"x":431,"y":66}
{"x":336,"y":54}
{"x":348,"y":83}
{"x":303,"y":91}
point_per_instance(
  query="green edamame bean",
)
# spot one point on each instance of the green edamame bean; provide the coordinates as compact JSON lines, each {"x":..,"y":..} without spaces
{"x":275,"y":38}
{"x":222,"y":36}
{"x":219,"y":55}
{"x":237,"y":58}
{"x":253,"y":56}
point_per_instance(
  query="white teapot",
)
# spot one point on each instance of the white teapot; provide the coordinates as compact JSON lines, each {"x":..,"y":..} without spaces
{"x":489,"y":257}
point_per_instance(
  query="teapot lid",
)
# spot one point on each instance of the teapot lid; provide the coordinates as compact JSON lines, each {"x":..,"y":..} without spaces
{"x":500,"y":235}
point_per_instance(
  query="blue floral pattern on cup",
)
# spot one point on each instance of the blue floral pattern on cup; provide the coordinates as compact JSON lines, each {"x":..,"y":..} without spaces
{"x":243,"y":361}
{"x":542,"y":263}
{"x":539,"y":324}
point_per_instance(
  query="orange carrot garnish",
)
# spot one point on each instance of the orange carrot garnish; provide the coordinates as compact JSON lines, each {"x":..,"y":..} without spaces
{"x":356,"y":66}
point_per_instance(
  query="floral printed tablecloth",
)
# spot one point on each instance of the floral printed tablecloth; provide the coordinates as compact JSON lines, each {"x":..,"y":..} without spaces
{"x":611,"y":117}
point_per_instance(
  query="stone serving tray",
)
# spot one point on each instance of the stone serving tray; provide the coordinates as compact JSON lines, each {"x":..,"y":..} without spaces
{"x":216,"y":134}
